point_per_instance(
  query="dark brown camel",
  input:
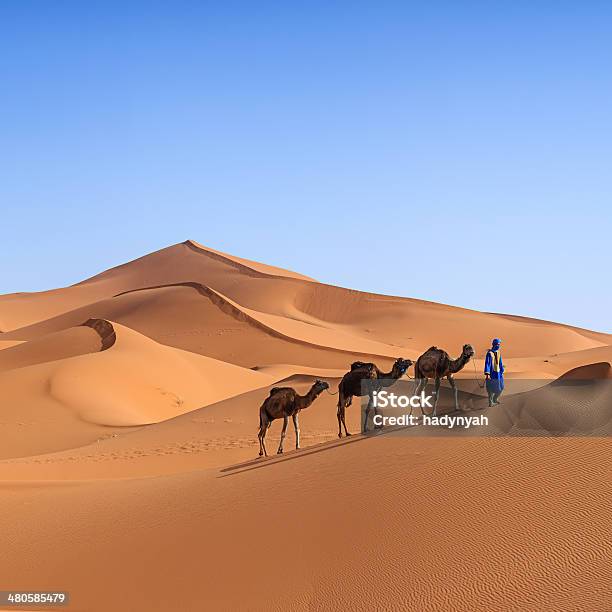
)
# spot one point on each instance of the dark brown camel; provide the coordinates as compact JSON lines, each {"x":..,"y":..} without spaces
{"x":436,"y":363}
{"x":350,"y":385}
{"x":284,"y":402}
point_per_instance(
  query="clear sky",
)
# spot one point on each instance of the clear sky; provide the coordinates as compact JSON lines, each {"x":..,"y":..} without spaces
{"x":453,"y":151}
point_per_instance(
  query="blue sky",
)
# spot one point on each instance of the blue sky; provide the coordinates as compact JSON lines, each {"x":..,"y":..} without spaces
{"x":459,"y":152}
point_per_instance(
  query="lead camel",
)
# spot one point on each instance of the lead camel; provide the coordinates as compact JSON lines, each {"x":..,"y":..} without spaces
{"x":436,"y":363}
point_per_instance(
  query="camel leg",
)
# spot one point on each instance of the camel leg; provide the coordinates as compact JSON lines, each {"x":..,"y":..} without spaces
{"x":283,"y":433}
{"x":375,"y":413}
{"x":263,"y":428}
{"x":451,"y":382}
{"x":346,"y":432}
{"x":268,"y":427}
{"x":260,"y":435}
{"x":296,"y":426}
{"x":367,"y":413}
{"x":437,"y":394}
{"x":342,"y":404}
{"x":420,"y":386}
{"x":341,"y":401}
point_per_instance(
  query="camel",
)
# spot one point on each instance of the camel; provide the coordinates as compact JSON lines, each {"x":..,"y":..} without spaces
{"x":351,"y":384}
{"x":436,"y":363}
{"x":285,"y":402}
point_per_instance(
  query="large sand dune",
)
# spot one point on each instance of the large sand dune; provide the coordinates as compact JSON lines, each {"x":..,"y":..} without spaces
{"x":129,"y":473}
{"x":83,"y":391}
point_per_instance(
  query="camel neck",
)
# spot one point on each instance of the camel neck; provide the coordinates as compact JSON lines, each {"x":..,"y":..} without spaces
{"x":310,"y":397}
{"x":391,"y":374}
{"x":456,"y":364}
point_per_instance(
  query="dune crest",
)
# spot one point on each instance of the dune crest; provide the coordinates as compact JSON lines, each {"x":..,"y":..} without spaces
{"x":62,"y":344}
{"x":104,"y":329}
{"x":594,"y":371}
{"x":245,"y":265}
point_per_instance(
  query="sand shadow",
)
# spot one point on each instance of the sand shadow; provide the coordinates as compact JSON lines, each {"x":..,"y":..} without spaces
{"x":262,"y":462}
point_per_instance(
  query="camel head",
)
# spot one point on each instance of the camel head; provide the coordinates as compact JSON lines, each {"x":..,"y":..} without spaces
{"x":401,"y":365}
{"x":319,"y":386}
{"x":468,"y":351}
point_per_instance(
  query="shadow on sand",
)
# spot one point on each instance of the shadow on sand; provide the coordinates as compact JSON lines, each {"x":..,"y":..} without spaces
{"x":262,"y":462}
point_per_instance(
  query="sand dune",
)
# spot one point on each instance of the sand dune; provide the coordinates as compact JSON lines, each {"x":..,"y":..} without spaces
{"x":63,"y":344}
{"x":185,"y":317}
{"x":129,"y":471}
{"x":142,"y":382}
{"x":179,"y":263}
{"x":81,"y":391}
{"x":598,"y":370}
{"x":398,"y":322}
{"x":218,"y":434}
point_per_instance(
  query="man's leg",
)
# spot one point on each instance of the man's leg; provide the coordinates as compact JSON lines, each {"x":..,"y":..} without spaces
{"x":490,"y":392}
{"x":499,"y":392}
{"x":499,"y":387}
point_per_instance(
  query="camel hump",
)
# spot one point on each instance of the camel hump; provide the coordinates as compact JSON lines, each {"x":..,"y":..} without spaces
{"x":432,"y":348}
{"x":275,"y":390}
{"x":357,"y":365}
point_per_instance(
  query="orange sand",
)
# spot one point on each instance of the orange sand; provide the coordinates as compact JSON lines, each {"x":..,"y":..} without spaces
{"x":129,"y":470}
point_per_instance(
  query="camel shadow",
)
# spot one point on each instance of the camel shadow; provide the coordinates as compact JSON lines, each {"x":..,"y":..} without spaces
{"x":263,"y":462}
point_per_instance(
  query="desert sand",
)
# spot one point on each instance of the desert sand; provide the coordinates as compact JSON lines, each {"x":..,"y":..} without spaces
{"x":129,"y":470}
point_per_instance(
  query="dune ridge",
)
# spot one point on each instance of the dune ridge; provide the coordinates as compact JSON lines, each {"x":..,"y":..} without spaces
{"x":62,"y":344}
{"x":241,"y":314}
{"x":105,"y":330}
{"x":245,"y":265}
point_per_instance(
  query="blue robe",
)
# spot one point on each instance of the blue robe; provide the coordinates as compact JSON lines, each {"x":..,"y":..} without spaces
{"x":494,"y":367}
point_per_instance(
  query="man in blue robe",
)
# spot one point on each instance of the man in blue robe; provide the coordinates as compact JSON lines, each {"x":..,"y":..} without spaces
{"x":494,"y":372}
